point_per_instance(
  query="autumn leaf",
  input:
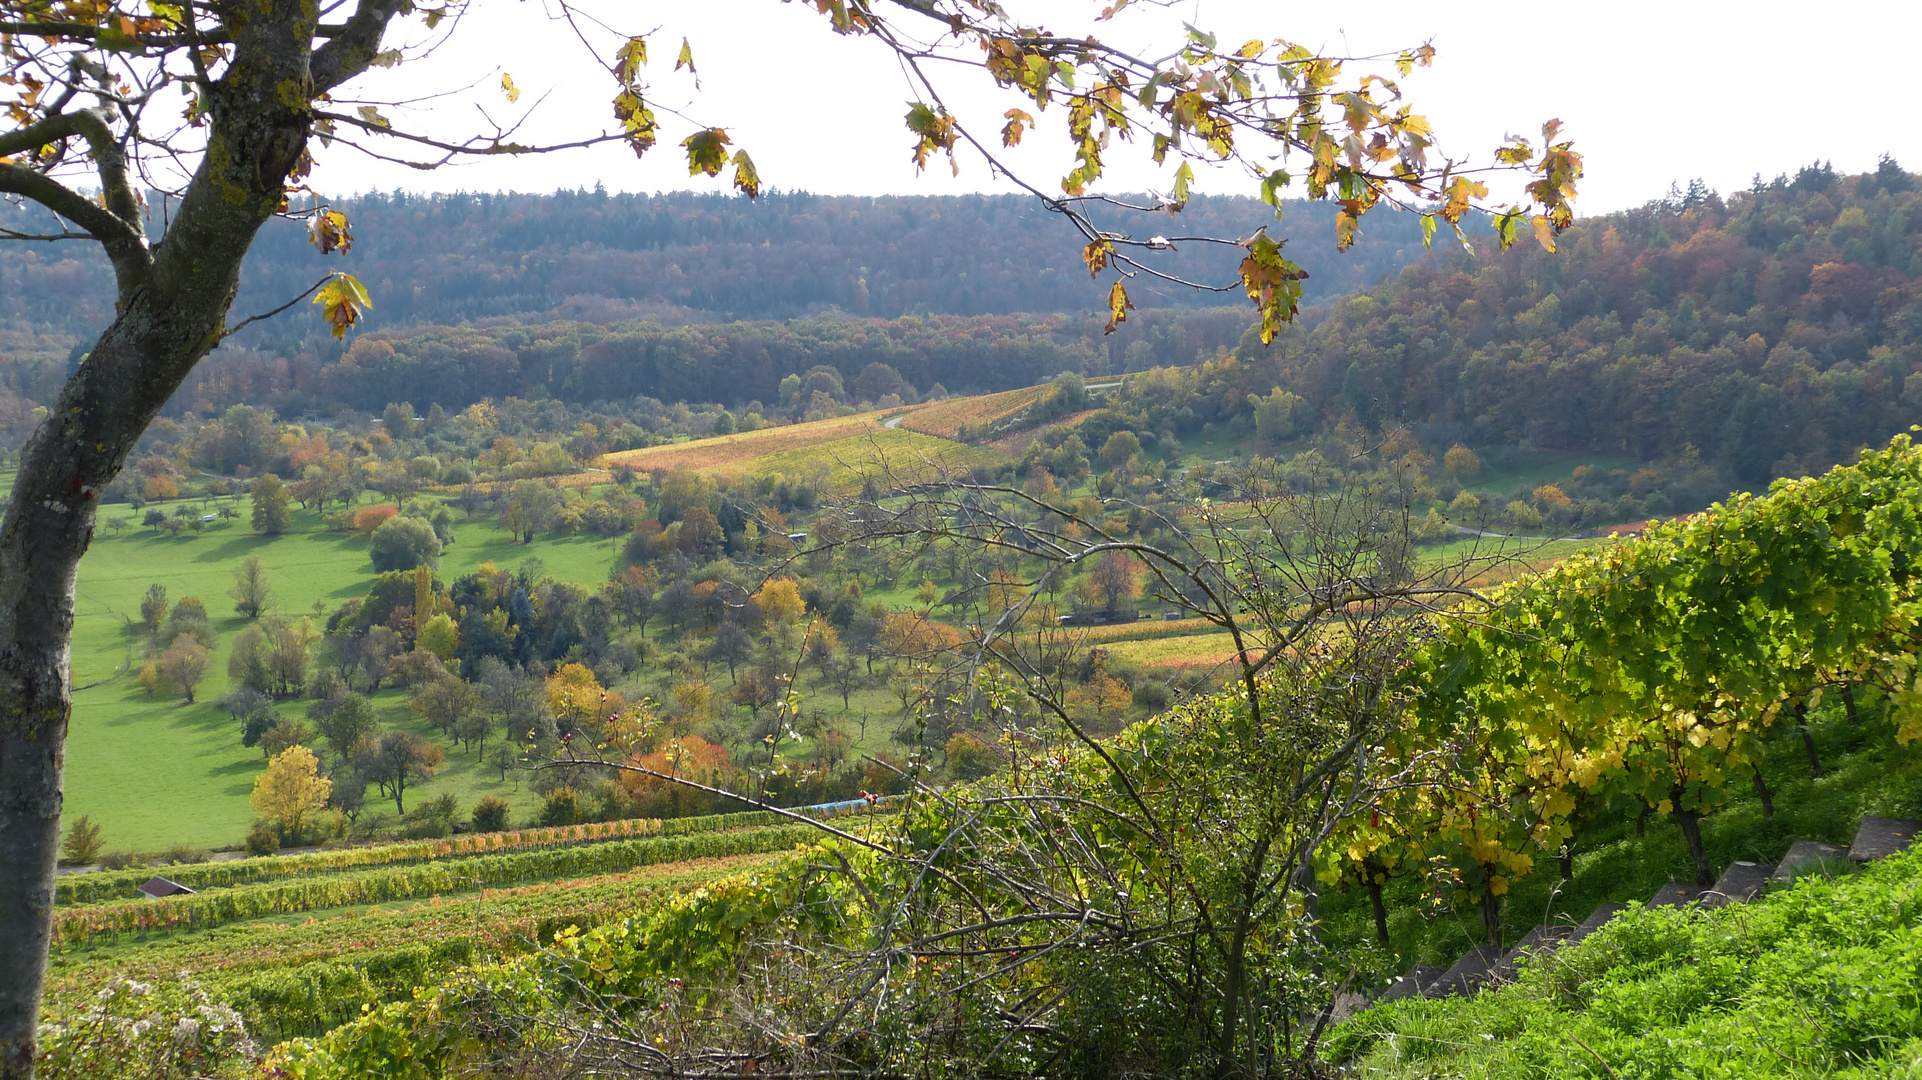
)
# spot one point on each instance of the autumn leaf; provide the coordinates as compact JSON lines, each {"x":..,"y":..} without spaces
{"x":746,"y":179}
{"x":1184,"y":176}
{"x":1544,"y":232}
{"x":372,"y":116}
{"x":342,"y":301}
{"x":1017,"y":125}
{"x":687,"y":58}
{"x":327,"y":230}
{"x":1096,"y":255}
{"x":706,"y":151}
{"x":507,"y":87}
{"x":935,"y":130}
{"x":1118,"y":307}
{"x":637,"y":121}
{"x":629,"y":59}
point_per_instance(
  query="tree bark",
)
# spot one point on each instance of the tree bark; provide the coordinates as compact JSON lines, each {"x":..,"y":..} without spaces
{"x":1848,"y":701}
{"x":1381,"y":913}
{"x":1691,"y":824}
{"x":1808,"y":739}
{"x":1492,"y":919}
{"x":1762,"y":792}
{"x":172,"y":311}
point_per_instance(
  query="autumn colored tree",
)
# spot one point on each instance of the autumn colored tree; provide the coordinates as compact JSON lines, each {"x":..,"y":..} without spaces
{"x":439,"y":636}
{"x":291,"y":789}
{"x":780,"y":601}
{"x":575,"y":698}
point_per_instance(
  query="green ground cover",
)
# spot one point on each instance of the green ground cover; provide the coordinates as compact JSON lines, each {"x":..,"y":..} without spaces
{"x":1542,"y":467}
{"x":1818,"y":979}
{"x":154,"y":772}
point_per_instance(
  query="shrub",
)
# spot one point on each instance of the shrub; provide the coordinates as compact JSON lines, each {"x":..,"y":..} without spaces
{"x":431,"y":819}
{"x":969,"y":758}
{"x":118,"y":860}
{"x":369,"y":518}
{"x":1153,"y":693}
{"x":562,"y":807}
{"x":263,"y":839}
{"x":182,"y":854}
{"x":490,"y":814}
{"x":402,"y":543}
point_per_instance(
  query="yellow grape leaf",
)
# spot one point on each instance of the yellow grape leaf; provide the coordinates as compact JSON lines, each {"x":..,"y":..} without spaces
{"x":746,"y":179}
{"x":372,"y":116}
{"x":1017,"y":125}
{"x":687,"y":58}
{"x":1544,"y":232}
{"x":629,"y":59}
{"x":342,"y":301}
{"x":1096,"y":255}
{"x":1118,"y":307}
{"x":1183,"y":177}
{"x":507,"y":87}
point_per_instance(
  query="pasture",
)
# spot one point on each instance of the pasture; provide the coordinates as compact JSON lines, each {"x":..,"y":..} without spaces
{"x":155,"y":772}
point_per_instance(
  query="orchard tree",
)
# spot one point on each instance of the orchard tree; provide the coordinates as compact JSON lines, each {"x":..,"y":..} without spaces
{"x":290,"y":789}
{"x":251,"y":591}
{"x":215,"y":107}
{"x":271,"y":516}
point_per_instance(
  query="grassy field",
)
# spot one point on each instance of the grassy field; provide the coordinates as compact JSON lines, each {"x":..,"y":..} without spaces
{"x":1176,"y":653}
{"x":155,"y":772}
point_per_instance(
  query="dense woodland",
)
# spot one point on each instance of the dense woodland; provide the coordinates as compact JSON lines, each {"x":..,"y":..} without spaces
{"x":688,"y":257}
{"x":1764,"y":333}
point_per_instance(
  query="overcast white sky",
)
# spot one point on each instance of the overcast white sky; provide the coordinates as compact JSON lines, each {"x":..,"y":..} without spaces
{"x":1651,"y":92}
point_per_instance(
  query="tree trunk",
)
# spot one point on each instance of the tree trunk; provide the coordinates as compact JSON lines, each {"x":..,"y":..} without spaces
{"x":1691,"y":823}
{"x":1762,"y":792}
{"x":1808,"y":746}
{"x":1641,"y":824}
{"x":172,"y":310}
{"x":1808,"y":740}
{"x":1848,"y":701}
{"x":1567,"y":861}
{"x":1381,"y":913}
{"x":1492,"y":919}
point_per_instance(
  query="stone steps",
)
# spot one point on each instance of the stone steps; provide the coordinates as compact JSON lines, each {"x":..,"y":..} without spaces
{"x":1485,"y":965}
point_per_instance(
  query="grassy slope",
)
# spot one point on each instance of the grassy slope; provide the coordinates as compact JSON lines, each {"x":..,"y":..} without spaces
{"x":1820,"y":979}
{"x":154,"y":772}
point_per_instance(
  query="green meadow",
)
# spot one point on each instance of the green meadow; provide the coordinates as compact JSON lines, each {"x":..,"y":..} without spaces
{"x":155,"y":772}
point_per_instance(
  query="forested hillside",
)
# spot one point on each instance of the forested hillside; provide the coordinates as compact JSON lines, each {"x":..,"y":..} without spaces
{"x":1774,"y":332}
{"x":693,"y":257}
